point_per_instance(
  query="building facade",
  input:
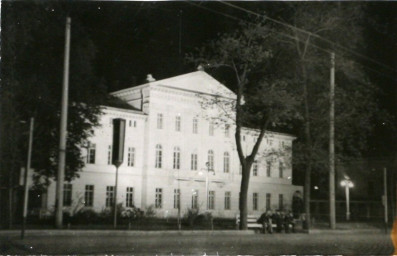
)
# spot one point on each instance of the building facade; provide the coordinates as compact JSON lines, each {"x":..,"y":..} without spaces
{"x":179,"y":154}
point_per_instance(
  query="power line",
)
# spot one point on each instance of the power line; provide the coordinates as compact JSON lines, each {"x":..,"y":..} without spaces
{"x":308,"y":33}
{"x":288,"y":36}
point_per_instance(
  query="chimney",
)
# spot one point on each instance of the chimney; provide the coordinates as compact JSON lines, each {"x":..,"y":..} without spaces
{"x":150,"y":78}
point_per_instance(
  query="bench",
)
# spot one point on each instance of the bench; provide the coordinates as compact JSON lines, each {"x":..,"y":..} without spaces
{"x":251,"y":223}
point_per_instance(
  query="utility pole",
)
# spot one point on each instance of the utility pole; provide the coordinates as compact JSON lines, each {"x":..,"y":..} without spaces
{"x":332,"y":145}
{"x":385,"y":197}
{"x":62,"y":140}
{"x":25,"y":179}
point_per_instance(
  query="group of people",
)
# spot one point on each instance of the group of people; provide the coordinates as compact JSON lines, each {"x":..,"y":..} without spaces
{"x":284,"y":221}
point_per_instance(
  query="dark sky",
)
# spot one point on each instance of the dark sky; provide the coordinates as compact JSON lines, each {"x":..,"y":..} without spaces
{"x":134,"y":38}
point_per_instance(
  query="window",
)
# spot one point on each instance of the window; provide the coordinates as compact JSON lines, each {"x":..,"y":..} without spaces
{"x":268,"y":201}
{"x":177,"y":158}
{"x":227,"y":131}
{"x":195,"y":194}
{"x":211,"y":159}
{"x":227,"y":200}
{"x":91,"y":154}
{"x":178,"y":123}
{"x":158,"y":156}
{"x":159,"y":198}
{"x":226,"y":162}
{"x":67,"y":194}
{"x":211,"y":200}
{"x":134,"y":123}
{"x":195,"y":125}
{"x":255,"y":168}
{"x":255,"y":201}
{"x":109,"y":154}
{"x":177,"y":198}
{"x":280,"y":169}
{"x":129,"y":197}
{"x":130,"y":123}
{"x":159,"y":121}
{"x":109,"y":196}
{"x":131,"y":156}
{"x":280,"y":202}
{"x":211,"y":128}
{"x":268,"y":168}
{"x":193,"y":162}
{"x":89,"y":195}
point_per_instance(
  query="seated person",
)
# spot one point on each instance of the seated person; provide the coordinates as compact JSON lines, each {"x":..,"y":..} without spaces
{"x":266,"y":221}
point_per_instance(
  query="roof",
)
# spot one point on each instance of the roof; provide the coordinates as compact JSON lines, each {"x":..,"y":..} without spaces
{"x":197,"y":82}
{"x":119,"y":103}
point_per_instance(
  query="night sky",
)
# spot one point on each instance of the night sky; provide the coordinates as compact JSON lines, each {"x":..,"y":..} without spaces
{"x":133,"y":39}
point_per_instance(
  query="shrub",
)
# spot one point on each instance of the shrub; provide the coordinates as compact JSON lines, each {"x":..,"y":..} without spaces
{"x":191,"y":216}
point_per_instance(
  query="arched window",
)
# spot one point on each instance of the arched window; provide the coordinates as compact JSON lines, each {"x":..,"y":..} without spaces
{"x":177,"y":158}
{"x":159,"y":155}
{"x":226,"y":162}
{"x":211,"y":159}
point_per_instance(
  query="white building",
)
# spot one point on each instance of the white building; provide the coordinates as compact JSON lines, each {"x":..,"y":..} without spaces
{"x":168,"y":142}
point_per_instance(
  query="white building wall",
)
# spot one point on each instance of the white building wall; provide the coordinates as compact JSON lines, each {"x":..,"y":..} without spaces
{"x":159,"y":97}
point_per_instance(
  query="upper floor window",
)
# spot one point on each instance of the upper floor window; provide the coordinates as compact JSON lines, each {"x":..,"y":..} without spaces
{"x":91,"y":154}
{"x":195,"y":125}
{"x":131,"y":156}
{"x":227,"y":130}
{"x":193,"y":162}
{"x":211,"y":128}
{"x":211,"y":159}
{"x":177,"y":158}
{"x":159,"y":121}
{"x":268,"y":168}
{"x":226,"y":162}
{"x":280,"y":169}
{"x":255,"y":168}
{"x":159,"y":156}
{"x":110,"y":154}
{"x":178,"y":123}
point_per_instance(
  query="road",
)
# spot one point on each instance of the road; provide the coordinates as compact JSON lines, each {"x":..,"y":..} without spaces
{"x":198,"y":244}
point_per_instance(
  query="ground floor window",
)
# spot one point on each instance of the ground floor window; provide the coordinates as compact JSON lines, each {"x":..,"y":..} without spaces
{"x":129,"y":197}
{"x":177,"y":198}
{"x":195,"y":199}
{"x":227,"y":200}
{"x":211,"y":200}
{"x":109,"y":196}
{"x":268,"y":201}
{"x":67,"y":194}
{"x":89,"y":195}
{"x":255,"y":201}
{"x":159,"y":198}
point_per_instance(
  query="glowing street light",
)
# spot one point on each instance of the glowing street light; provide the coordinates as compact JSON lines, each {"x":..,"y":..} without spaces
{"x":347,"y":183}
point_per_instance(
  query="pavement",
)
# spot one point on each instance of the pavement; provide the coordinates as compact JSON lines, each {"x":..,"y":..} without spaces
{"x":217,"y":242}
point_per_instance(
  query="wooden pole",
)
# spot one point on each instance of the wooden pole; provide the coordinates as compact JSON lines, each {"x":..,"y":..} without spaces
{"x":332,"y":218}
{"x":62,"y":140}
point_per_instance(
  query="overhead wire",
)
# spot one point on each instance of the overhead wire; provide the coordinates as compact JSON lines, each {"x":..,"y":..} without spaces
{"x":289,"y":36}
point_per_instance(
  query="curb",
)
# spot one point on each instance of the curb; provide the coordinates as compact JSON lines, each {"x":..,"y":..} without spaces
{"x":345,"y":231}
{"x":38,"y":233}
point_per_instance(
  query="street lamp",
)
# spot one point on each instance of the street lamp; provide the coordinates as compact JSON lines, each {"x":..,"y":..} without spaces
{"x":207,"y":164}
{"x":347,"y":183}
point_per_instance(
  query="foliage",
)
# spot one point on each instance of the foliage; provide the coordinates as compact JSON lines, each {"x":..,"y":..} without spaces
{"x":191,"y":215}
{"x":150,"y":211}
{"x":263,"y":99}
{"x":32,"y":71}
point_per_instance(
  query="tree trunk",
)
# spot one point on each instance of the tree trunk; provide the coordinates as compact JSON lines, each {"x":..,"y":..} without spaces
{"x":244,"y":194}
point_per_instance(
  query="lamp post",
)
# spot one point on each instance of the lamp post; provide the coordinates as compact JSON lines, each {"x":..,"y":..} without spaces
{"x":347,"y":183}
{"x":209,"y":169}
{"x":25,"y":178}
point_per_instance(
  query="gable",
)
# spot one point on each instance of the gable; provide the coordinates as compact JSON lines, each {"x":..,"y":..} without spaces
{"x":199,"y":82}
